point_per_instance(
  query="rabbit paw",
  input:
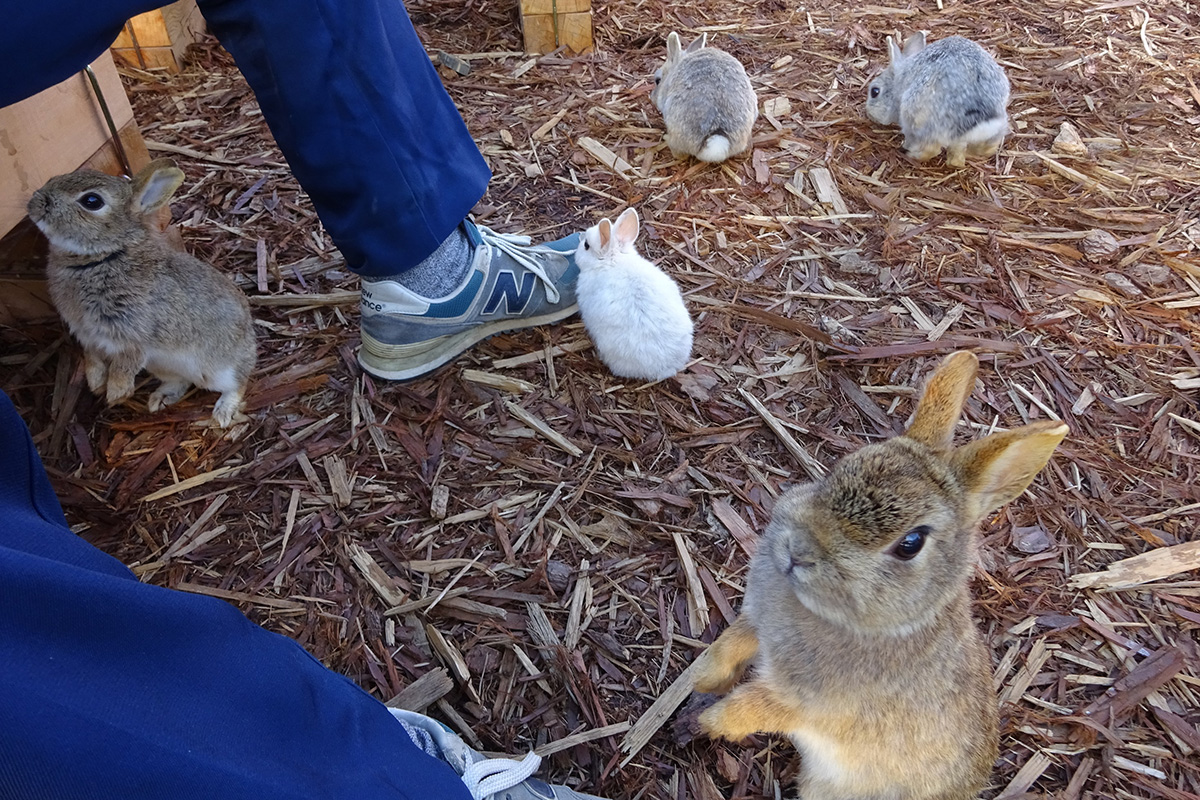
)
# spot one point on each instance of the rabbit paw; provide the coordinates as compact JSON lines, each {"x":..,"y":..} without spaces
{"x":750,"y":708}
{"x":722,"y":665}
{"x":167,"y":394}
{"x":119,"y":388}
{"x":922,"y":151}
{"x":718,"y":723}
{"x":226,"y":408}
{"x":96,"y":372}
{"x":713,"y":678}
{"x":985,"y":149}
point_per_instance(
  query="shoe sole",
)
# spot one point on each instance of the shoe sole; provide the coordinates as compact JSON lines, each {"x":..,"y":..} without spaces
{"x":403,"y":362}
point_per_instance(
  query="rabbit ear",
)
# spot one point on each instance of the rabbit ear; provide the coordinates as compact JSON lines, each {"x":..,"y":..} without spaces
{"x":626,"y":229}
{"x":698,"y":43}
{"x":605,"y":230}
{"x":673,"y":46}
{"x":154,"y":185}
{"x":997,"y":469}
{"x":914,"y":44}
{"x":894,"y":54}
{"x":942,"y":401}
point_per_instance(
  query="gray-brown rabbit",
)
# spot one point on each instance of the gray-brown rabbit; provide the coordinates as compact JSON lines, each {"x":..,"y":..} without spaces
{"x":135,"y":302}
{"x":950,"y":95}
{"x":706,"y":100}
{"x":858,"y":612}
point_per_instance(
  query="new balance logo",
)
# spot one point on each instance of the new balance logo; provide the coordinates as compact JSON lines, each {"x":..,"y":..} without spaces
{"x":505,"y":289}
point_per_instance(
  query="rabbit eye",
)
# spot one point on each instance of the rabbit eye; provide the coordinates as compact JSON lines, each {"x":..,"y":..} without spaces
{"x":911,"y":543}
{"x":874,"y":91}
{"x":587,"y":245}
{"x":92,"y":201}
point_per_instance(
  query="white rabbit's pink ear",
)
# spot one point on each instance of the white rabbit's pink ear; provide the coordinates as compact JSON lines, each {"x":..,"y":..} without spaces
{"x":914,"y":44}
{"x":698,"y":43}
{"x":894,"y":54}
{"x":154,"y":185}
{"x":605,"y":231}
{"x":626,"y":229}
{"x":674,"y":48}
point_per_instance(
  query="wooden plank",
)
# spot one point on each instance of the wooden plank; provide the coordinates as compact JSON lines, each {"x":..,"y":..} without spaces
{"x":147,"y":30}
{"x":54,"y":132}
{"x":25,"y":300}
{"x":162,"y":58}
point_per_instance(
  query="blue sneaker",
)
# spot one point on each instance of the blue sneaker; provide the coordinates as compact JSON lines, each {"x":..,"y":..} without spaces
{"x":511,"y":284}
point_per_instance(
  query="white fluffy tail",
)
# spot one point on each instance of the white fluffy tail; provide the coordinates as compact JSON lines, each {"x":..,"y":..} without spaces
{"x":716,"y":148}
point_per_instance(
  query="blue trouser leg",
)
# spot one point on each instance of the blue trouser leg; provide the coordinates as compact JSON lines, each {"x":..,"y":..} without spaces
{"x":111,"y":688}
{"x":346,"y":88}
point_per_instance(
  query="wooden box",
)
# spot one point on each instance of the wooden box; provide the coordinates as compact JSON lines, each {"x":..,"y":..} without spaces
{"x":549,"y":24}
{"x":56,"y":131}
{"x":158,"y":39}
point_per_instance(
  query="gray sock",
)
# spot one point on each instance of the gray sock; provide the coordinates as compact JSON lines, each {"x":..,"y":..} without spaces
{"x":443,"y":270}
{"x":422,"y":739}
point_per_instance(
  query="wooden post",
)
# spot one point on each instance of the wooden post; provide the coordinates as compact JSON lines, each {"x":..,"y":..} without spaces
{"x":549,"y":24}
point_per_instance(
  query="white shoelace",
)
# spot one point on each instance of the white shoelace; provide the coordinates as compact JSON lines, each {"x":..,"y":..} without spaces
{"x":485,"y":778}
{"x":518,"y":248}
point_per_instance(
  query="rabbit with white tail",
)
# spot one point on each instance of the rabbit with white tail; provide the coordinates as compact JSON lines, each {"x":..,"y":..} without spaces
{"x":951,"y":94}
{"x":632,"y":310}
{"x":706,"y":100}
{"x":858,"y":611}
{"x":135,"y":302}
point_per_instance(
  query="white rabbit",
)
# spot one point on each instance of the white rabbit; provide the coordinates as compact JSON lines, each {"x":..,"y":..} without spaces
{"x":632,"y":310}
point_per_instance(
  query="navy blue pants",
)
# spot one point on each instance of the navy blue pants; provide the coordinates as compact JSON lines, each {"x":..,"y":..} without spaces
{"x":112,"y":688}
{"x":346,"y":88}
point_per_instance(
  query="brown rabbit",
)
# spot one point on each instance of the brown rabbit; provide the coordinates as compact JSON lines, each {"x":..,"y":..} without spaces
{"x":135,"y":302}
{"x":858,"y":610}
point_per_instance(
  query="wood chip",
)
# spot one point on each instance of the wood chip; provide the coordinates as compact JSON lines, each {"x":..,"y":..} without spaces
{"x":424,"y":691}
{"x":379,"y":580}
{"x":1128,"y":692}
{"x":503,"y":382}
{"x":658,"y":713}
{"x":605,"y":156}
{"x":746,"y":538}
{"x":556,"y":438}
{"x":1029,"y":772}
{"x":1152,"y":565}
{"x":827,"y":189}
{"x":340,"y":483}
{"x":583,"y":737}
{"x":697,"y":602}
{"x":814,"y":468}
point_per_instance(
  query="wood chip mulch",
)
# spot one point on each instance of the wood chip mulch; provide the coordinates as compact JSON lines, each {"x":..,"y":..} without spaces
{"x":433,"y":542}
